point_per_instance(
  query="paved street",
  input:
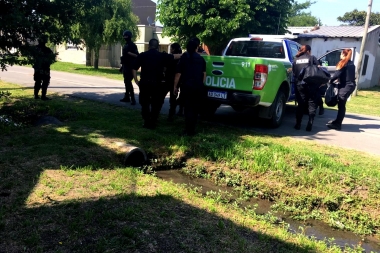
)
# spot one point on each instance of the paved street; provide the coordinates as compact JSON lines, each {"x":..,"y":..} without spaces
{"x":359,"y":132}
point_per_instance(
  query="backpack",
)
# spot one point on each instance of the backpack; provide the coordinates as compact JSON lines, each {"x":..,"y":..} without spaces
{"x":331,"y":95}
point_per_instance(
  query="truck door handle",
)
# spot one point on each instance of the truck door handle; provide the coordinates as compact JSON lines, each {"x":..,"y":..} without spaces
{"x":218,"y":64}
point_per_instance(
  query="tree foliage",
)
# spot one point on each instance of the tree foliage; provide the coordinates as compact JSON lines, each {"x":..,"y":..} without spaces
{"x":21,"y":22}
{"x":298,"y":17}
{"x":102,"y":22}
{"x":215,"y":22}
{"x":357,"y":18}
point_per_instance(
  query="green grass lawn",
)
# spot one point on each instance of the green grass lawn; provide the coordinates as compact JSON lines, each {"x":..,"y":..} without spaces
{"x":366,"y":102}
{"x":112,"y":73}
{"x":64,"y":188}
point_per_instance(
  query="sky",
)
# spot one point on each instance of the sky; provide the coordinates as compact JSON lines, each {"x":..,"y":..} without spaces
{"x":329,"y":10}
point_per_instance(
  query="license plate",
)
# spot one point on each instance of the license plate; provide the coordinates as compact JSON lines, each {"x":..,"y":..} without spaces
{"x":217,"y":94}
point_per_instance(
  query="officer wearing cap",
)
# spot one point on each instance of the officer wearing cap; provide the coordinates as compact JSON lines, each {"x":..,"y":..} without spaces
{"x":152,"y":63}
{"x":129,"y":55}
{"x":43,"y":57}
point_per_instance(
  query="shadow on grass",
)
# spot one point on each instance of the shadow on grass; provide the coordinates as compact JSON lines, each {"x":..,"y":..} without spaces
{"x":125,"y":223}
{"x":129,"y":223}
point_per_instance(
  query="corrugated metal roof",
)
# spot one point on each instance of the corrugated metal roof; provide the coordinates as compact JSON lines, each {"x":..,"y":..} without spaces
{"x":333,"y":31}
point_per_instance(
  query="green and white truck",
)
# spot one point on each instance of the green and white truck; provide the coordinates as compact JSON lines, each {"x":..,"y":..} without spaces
{"x":254,"y":72}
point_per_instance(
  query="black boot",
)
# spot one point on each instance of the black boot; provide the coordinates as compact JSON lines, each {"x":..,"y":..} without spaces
{"x":133,"y":100}
{"x":43,"y":95}
{"x":126,"y":98}
{"x":180,"y":111}
{"x":332,"y":124}
{"x":36,"y":90}
{"x":321,"y":110}
{"x":310,"y":124}
{"x":297,"y":126}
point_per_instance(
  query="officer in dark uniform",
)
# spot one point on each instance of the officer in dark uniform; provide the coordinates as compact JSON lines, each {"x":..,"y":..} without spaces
{"x":306,"y":93}
{"x":192,"y":71}
{"x":43,"y":57}
{"x":129,"y":55}
{"x":170,"y":72}
{"x":152,"y":63}
{"x":345,"y":72}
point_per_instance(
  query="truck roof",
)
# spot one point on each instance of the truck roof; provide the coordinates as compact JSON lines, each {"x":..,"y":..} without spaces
{"x":262,"y":38}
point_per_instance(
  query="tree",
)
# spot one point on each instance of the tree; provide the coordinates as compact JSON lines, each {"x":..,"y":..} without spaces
{"x":297,"y":17}
{"x":357,"y":18}
{"x":103,"y":23}
{"x":215,"y":22}
{"x":22,"y":22}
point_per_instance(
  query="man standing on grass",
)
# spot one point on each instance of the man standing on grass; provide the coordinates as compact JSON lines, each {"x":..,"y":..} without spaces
{"x":43,"y":57}
{"x":152,"y":63}
{"x":128,"y":58}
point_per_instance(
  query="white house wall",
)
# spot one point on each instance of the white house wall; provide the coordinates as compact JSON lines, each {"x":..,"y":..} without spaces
{"x":373,"y":46}
{"x":73,"y":55}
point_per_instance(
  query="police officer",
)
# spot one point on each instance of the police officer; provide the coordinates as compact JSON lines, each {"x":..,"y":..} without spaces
{"x":192,"y":71}
{"x":152,"y":63}
{"x":170,"y":72}
{"x":43,"y":57}
{"x":347,"y":84}
{"x":129,"y":55}
{"x":306,"y":93}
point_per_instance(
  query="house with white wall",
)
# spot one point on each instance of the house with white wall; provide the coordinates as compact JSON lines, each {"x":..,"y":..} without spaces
{"x":109,"y":55}
{"x":327,"y":38}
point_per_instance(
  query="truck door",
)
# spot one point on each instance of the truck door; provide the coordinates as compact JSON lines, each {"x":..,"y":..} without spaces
{"x":293,"y":49}
{"x":331,"y":59}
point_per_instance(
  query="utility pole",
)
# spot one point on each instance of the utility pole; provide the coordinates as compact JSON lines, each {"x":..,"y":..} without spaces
{"x":359,"y":67}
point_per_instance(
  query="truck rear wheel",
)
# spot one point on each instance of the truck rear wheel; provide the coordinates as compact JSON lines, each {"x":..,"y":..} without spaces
{"x":278,"y":109}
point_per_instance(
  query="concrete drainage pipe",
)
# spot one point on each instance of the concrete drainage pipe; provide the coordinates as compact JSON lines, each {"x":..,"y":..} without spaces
{"x":135,"y":156}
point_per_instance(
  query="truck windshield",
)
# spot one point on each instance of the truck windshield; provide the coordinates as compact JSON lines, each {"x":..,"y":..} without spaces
{"x":264,"y":49}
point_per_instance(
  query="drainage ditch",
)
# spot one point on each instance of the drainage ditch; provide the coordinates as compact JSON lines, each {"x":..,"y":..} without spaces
{"x":312,"y":228}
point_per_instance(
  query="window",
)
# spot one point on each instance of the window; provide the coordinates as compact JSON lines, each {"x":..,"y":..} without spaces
{"x":331,"y":59}
{"x":294,"y":48}
{"x":364,"y":71}
{"x":263,"y":49}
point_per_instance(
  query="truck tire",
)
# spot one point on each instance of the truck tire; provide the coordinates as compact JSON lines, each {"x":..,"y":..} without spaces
{"x":278,"y":109}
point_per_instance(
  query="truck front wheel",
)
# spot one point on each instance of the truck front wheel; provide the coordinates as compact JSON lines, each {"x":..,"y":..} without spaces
{"x":278,"y":109}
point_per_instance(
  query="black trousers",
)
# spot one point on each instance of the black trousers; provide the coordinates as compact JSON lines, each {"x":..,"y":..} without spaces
{"x":169,"y":87}
{"x":344,"y":93}
{"x":193,"y":101}
{"x":128,"y":77}
{"x":307,"y":95}
{"x":151,"y":100}
{"x":41,"y":81}
{"x":321,"y":93}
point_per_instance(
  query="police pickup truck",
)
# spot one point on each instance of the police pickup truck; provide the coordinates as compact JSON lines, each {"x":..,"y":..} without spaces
{"x":254,"y":72}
